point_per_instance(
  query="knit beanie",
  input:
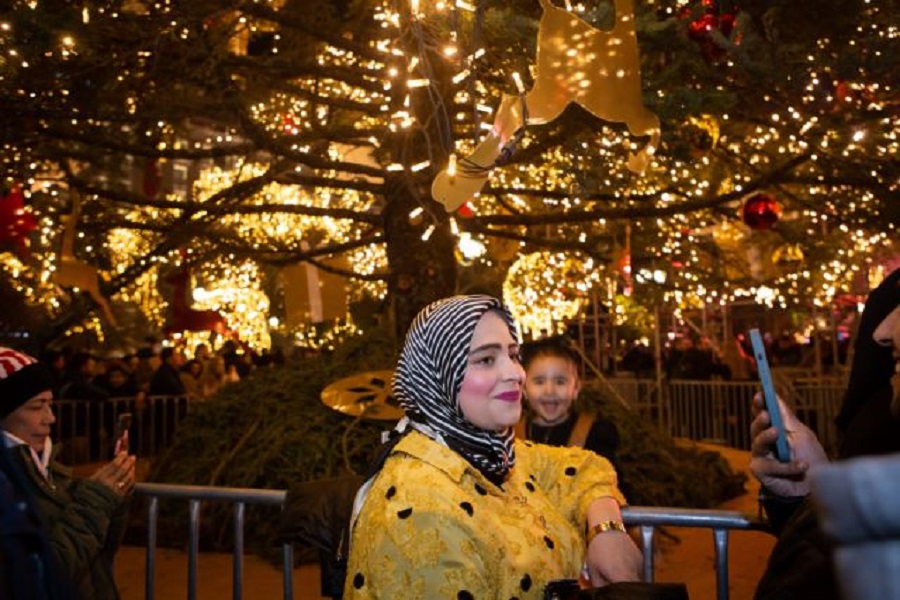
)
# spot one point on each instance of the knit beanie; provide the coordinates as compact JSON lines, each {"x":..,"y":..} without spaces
{"x":21,"y":379}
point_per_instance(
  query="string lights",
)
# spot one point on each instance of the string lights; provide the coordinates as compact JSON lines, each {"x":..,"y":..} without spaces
{"x":828,"y":123}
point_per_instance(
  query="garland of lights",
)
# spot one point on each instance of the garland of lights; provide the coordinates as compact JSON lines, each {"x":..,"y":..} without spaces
{"x":543,"y":290}
{"x":829,"y":224}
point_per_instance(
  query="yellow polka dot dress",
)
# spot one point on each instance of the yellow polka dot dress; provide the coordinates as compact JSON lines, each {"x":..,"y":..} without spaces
{"x":432,"y":526}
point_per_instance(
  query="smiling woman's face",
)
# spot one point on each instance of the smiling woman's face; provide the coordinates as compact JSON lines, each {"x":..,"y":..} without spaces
{"x":491,"y":393}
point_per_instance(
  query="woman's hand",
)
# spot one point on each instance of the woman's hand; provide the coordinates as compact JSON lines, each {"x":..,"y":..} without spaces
{"x":118,"y":474}
{"x":613,"y":556}
{"x":783,"y":479}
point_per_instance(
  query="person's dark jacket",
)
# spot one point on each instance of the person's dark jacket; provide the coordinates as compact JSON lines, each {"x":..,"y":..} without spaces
{"x":82,"y":388}
{"x":85,"y":522}
{"x":129,"y":389}
{"x":28,"y":569}
{"x":799,"y":566}
{"x":166,"y":382}
{"x":602,"y":438}
{"x":86,"y":414}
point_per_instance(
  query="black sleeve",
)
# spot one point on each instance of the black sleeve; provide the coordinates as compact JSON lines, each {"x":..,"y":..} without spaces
{"x":603,"y":438}
{"x":800,"y":564}
{"x":779,"y":509}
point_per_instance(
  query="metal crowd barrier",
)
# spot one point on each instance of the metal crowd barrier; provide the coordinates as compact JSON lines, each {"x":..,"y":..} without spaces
{"x":817,"y":405}
{"x":645,"y":517}
{"x":648,"y":518}
{"x":721,"y":411}
{"x":714,"y":411}
{"x":195,"y":495}
{"x":642,"y":395}
{"x":86,"y":428}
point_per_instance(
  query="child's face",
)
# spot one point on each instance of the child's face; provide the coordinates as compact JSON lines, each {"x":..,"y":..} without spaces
{"x":551,"y":385}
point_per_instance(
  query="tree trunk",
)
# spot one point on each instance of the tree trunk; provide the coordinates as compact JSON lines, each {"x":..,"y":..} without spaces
{"x":422,"y":271}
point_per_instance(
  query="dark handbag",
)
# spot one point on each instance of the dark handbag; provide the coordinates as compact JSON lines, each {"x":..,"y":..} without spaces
{"x":636,"y":590}
{"x":317,"y":514}
{"x":568,"y":589}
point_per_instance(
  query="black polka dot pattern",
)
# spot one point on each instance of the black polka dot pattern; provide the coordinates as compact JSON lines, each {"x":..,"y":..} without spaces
{"x":404,"y":514}
{"x":525,"y":584}
{"x":570,"y":471}
{"x":465,"y":595}
{"x":359,"y":580}
{"x":549,"y":542}
{"x":532,"y":477}
{"x":480,"y":490}
{"x":530,"y":486}
{"x":467,"y":507}
{"x":392,"y":491}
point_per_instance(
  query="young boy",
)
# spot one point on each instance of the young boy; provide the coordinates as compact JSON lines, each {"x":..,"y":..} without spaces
{"x":551,"y":388}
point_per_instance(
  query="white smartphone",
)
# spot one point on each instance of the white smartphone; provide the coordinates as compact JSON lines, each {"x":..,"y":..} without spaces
{"x":782,"y":449}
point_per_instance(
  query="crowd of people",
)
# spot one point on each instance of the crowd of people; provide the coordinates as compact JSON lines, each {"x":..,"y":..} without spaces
{"x":697,"y":361}
{"x":155,"y":384}
{"x":152,"y":371}
{"x":696,"y":357}
{"x":494,"y":484}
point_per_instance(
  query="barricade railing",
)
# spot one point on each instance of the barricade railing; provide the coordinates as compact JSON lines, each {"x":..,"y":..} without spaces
{"x":643,"y":396}
{"x":721,"y":522}
{"x":713,"y":411}
{"x":195,"y":495}
{"x":646,"y":518}
{"x":817,"y":404}
{"x":86,"y":428}
{"x":720,"y":411}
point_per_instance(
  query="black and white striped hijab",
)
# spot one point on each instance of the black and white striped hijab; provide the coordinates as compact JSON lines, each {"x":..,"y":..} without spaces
{"x":429,"y":375}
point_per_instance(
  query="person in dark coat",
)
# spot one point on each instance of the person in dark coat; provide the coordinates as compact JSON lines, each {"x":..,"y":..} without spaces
{"x":84,"y":518}
{"x":166,"y":412}
{"x":167,"y":378}
{"x":89,"y":404}
{"x":800,"y":565}
{"x":28,"y":569}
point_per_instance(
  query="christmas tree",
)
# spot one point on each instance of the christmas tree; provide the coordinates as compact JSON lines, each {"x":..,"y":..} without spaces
{"x":232,"y":140}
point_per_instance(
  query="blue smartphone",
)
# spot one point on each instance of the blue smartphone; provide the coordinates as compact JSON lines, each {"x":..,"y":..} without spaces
{"x":782,"y":450}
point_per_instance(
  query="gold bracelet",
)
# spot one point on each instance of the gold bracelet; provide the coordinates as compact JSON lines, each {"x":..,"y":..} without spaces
{"x":603,"y":527}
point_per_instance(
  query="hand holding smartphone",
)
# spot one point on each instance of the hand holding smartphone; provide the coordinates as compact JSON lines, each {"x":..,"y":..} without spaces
{"x":123,"y":424}
{"x":782,"y":450}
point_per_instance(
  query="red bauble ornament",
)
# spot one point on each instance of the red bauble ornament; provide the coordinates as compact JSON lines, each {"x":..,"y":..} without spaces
{"x":16,"y":222}
{"x":761,"y":211}
{"x":700,"y":29}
